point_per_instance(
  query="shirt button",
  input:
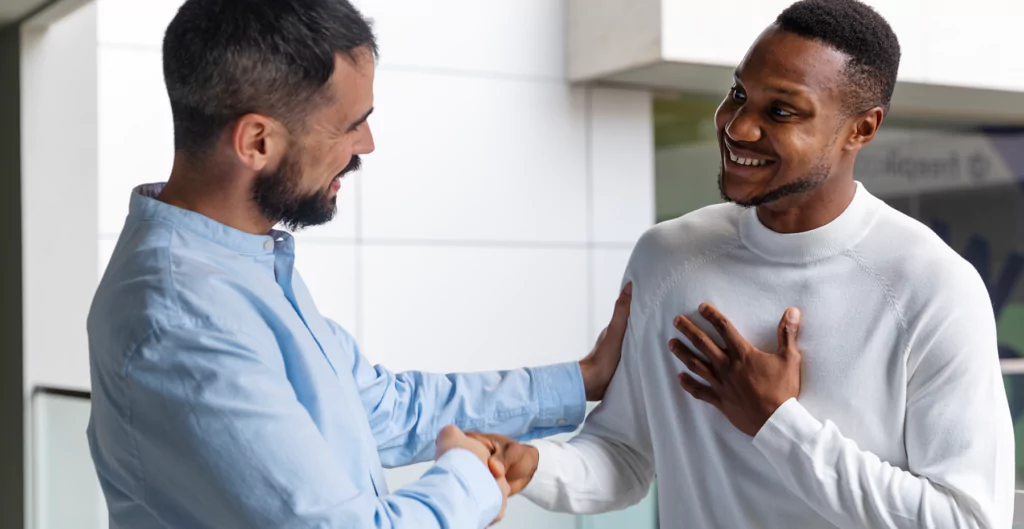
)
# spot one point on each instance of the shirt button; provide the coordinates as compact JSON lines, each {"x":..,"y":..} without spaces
{"x":269,"y":245}
{"x":561,"y":422}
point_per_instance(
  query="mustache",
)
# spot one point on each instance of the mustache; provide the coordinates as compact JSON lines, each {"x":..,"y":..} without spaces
{"x":354,"y":164}
{"x":737,"y":146}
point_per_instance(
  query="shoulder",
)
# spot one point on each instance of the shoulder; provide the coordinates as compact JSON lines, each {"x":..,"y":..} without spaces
{"x":671,"y":248}
{"x":161,"y":281}
{"x":919,"y":267}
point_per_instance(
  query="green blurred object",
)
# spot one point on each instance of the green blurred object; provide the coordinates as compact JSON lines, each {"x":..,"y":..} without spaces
{"x":1011,"y":327}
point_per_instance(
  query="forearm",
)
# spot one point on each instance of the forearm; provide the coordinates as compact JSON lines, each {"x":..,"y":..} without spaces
{"x":523,"y":403}
{"x":458,"y":492}
{"x":589,"y":474}
{"x":853,"y":488}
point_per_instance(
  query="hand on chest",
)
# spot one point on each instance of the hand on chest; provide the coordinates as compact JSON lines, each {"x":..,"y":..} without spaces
{"x":746,"y":357}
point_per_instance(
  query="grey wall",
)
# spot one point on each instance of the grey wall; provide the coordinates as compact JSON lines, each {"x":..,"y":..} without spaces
{"x":12,"y":498}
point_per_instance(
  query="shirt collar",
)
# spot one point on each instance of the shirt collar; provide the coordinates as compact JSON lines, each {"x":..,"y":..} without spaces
{"x":145,"y":206}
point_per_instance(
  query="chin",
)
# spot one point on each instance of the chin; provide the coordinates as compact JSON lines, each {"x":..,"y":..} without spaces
{"x":737,"y":189}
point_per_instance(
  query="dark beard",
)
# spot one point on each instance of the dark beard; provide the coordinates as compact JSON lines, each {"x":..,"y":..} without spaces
{"x":276,"y":195}
{"x":812,"y":180}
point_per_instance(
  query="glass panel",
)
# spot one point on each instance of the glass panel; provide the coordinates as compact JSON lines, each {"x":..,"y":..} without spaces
{"x":65,"y":490}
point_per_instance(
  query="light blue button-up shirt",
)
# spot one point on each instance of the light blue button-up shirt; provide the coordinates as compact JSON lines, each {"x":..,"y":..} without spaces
{"x":222,"y":399}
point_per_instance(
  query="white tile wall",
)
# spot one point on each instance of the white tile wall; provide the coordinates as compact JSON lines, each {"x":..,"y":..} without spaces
{"x":475,"y":158}
{"x":622,"y":164}
{"x":609,"y":265}
{"x":133,"y":22}
{"x":452,"y":308}
{"x":509,"y":37}
{"x":517,"y":37}
{"x":136,"y":135}
{"x":58,"y":206}
{"x":329,"y":270}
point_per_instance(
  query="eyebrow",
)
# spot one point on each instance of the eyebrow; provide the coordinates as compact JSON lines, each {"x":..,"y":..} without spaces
{"x":361,"y":120}
{"x":773,"y":90}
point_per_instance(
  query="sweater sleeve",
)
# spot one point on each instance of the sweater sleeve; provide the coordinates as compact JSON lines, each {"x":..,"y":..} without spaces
{"x":610,"y":464}
{"x":958,"y":431}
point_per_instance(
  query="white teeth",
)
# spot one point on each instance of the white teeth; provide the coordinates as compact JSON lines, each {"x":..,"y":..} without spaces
{"x":747,"y":161}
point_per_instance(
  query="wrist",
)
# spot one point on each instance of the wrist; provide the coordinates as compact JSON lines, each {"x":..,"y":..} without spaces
{"x":590,"y":375}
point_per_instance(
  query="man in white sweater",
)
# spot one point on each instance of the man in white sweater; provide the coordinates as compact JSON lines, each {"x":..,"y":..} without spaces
{"x":876,"y":403}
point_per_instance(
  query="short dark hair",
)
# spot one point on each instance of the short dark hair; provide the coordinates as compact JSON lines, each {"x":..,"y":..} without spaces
{"x":859,"y":32}
{"x":226,"y":58}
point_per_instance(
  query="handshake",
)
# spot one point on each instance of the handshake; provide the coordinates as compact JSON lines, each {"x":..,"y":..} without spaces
{"x":512,"y":463}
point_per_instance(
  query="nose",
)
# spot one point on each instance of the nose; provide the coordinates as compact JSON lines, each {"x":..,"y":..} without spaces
{"x":366,"y":144}
{"x":743,"y":127}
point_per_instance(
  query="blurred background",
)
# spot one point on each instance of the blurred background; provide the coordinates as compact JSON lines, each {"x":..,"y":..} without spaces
{"x":522,"y":148}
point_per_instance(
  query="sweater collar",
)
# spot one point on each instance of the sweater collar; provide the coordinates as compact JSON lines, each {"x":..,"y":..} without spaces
{"x":820,"y":243}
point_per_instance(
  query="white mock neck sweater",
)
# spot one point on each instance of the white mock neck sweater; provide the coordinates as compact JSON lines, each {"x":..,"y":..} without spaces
{"x":902,"y":418}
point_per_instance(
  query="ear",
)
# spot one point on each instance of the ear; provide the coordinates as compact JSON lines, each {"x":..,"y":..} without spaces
{"x":258,"y":141}
{"x":865,"y":126}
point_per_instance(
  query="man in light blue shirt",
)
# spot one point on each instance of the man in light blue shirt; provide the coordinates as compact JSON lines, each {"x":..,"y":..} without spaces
{"x":221,"y":397}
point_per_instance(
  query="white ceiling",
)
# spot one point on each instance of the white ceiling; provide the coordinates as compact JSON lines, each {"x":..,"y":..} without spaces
{"x":11,"y":10}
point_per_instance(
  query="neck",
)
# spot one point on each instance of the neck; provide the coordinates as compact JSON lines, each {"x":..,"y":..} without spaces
{"x":811,"y":210}
{"x":205,"y":189}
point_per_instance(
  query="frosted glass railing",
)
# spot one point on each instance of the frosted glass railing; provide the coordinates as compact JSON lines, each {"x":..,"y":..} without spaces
{"x":63,"y":491}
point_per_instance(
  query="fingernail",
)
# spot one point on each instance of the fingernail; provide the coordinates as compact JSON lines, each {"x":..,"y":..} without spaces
{"x":793,"y":315}
{"x":629,"y":289}
{"x":677,"y":321}
{"x":703,"y":308}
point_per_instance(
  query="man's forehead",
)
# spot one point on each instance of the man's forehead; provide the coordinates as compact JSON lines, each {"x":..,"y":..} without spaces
{"x":787,"y":62}
{"x":351,"y":87}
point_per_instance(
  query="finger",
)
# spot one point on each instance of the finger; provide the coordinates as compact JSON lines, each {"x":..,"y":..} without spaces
{"x":497,"y":467}
{"x":694,"y":363}
{"x":734,"y":341}
{"x":699,"y":391}
{"x":789,"y":327}
{"x":620,"y":316}
{"x":485,"y":440}
{"x":505,"y":491}
{"x":449,"y":437}
{"x":702,"y":342}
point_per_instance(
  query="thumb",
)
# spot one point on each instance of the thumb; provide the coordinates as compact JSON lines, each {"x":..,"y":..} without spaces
{"x":448,"y":438}
{"x":789,"y":327}
{"x":496,"y":467}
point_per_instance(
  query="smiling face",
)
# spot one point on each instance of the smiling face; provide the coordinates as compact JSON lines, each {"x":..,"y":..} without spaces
{"x":782,"y":128}
{"x":302,"y":189}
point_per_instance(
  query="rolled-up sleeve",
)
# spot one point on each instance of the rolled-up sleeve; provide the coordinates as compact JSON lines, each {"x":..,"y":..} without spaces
{"x":407,"y":410}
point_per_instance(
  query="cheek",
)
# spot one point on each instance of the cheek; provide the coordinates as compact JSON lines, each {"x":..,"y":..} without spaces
{"x":798,"y":149}
{"x":723,"y":115}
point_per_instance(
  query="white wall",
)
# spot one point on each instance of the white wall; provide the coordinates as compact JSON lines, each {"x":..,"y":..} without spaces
{"x":497,"y":196}
{"x":491,"y":227}
{"x":944,"y":42}
{"x":59,"y":188}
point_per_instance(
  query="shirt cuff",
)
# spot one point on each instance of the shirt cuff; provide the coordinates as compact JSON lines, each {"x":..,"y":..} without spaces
{"x":478,"y":480}
{"x":791,"y":425}
{"x":561,"y":396}
{"x":542,"y":489}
